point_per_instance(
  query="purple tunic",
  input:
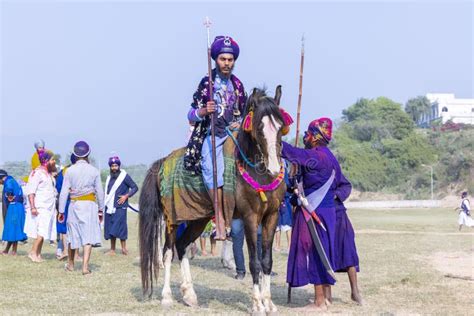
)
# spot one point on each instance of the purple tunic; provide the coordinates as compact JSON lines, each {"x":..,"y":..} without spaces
{"x":304,"y":265}
{"x":345,"y":247}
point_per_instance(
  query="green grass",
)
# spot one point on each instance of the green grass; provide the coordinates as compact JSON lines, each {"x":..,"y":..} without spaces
{"x":396,"y":275}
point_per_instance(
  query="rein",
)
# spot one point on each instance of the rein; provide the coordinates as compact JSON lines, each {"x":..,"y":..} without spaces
{"x":244,"y":157}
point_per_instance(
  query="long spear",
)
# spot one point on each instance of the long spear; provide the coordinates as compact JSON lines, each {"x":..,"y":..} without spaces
{"x":207,"y":24}
{"x":298,"y":113}
{"x":298,"y":120}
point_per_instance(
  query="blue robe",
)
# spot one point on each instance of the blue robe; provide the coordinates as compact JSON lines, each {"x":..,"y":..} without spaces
{"x":61,"y":228}
{"x":115,"y":225}
{"x":285,"y":211}
{"x":13,"y":229}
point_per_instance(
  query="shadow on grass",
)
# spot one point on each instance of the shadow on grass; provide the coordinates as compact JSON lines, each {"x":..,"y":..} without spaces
{"x":212,"y":264}
{"x":206,"y":263}
{"x":48,"y":256}
{"x":235,"y":300}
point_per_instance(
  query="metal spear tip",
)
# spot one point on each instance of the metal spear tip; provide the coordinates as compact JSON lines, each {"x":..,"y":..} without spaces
{"x":207,"y":22}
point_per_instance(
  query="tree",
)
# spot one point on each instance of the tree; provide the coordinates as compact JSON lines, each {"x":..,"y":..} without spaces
{"x":379,"y":148}
{"x":417,"y":107}
{"x":17,"y":169}
{"x":376,"y":119}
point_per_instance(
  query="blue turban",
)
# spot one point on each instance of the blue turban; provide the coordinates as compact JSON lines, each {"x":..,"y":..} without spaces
{"x":81,"y":149}
{"x":3,"y":173}
{"x":39,"y":144}
{"x":114,"y":160}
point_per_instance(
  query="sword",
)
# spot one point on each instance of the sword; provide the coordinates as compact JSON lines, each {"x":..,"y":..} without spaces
{"x":312,"y":229}
{"x":299,"y":191}
{"x":133,"y":209}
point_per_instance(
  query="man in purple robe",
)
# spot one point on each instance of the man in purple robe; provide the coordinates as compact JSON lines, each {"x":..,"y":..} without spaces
{"x":228,"y":103}
{"x":320,"y":172}
{"x":346,"y":258}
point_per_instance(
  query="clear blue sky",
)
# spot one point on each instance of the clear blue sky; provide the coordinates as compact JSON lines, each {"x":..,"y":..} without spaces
{"x":121,"y":75}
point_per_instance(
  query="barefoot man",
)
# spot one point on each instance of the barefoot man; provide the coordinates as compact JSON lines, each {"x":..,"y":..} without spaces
{"x":320,"y":171}
{"x":119,"y":187}
{"x":41,"y":220}
{"x":82,"y":183}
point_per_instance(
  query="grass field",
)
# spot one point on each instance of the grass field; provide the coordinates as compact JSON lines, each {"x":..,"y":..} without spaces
{"x":405,"y":256}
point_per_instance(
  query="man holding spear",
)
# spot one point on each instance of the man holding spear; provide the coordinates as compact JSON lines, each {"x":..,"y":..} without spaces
{"x":217,"y":105}
{"x":311,"y":256}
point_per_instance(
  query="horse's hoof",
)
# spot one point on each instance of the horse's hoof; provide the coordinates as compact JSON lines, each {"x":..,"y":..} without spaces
{"x":273,"y":313}
{"x":167,"y":303}
{"x":259,"y":310}
{"x":270,"y":308}
{"x":191,"y":301}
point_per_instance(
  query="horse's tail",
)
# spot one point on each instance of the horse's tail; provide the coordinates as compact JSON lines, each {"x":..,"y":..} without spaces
{"x":149,"y":229}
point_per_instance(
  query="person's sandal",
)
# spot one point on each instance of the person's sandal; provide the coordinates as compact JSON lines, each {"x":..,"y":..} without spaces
{"x":61,"y":257}
{"x":87,"y":273}
{"x":66,"y":268}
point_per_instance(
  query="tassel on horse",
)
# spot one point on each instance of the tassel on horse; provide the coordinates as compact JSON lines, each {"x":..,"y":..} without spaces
{"x":247,"y":125}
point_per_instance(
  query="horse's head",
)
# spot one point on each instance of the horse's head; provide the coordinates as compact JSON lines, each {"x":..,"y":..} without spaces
{"x":263,"y":127}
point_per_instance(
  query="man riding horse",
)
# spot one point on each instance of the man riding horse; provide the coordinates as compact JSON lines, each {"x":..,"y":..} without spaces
{"x":228,"y":101}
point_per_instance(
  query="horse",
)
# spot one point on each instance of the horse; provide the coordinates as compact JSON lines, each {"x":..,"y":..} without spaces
{"x":260,"y":189}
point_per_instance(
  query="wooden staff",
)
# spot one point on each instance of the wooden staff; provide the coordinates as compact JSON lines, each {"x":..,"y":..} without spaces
{"x":298,"y":113}
{"x":208,"y":23}
{"x":298,"y":120}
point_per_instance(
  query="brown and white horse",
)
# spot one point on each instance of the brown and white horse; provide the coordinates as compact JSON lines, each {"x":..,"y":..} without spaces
{"x":260,"y":188}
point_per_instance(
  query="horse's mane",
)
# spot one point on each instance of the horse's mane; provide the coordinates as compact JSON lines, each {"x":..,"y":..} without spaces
{"x":262,"y":105}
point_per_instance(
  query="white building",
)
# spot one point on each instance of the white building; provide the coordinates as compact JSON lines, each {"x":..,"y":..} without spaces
{"x":445,"y":107}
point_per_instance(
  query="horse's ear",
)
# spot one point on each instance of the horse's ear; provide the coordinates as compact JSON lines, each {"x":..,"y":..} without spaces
{"x":252,"y":98}
{"x":278,"y":95}
{"x":254,"y":93}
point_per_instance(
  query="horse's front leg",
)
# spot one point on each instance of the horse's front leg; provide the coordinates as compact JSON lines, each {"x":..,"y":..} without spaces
{"x":268,"y":231}
{"x":166,"y":294}
{"x":251,"y":228}
{"x":183,"y":246}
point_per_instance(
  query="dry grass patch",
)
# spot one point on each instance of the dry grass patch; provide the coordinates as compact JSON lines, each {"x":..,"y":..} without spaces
{"x":401,"y":273}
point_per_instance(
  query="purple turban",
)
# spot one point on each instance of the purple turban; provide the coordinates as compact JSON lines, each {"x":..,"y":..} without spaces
{"x":321,"y":126}
{"x":81,"y":149}
{"x":224,"y":45}
{"x":45,"y":156}
{"x":114,"y":160}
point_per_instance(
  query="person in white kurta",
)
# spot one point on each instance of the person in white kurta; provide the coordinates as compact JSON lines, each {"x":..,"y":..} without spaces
{"x":40,"y":222}
{"x":82,"y":183}
{"x":465,"y":213}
